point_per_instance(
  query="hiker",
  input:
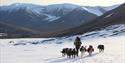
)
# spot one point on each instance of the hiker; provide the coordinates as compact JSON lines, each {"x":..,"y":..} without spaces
{"x":101,"y":48}
{"x":77,"y":44}
{"x":90,"y":50}
{"x":82,"y":50}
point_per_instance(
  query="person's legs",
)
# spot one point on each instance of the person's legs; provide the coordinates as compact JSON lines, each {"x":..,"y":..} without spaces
{"x":77,"y":49}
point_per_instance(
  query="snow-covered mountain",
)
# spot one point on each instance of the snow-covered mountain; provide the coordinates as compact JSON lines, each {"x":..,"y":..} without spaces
{"x":60,"y":9}
{"x":56,"y":9}
{"x":98,"y":10}
{"x":17,"y":6}
{"x":53,"y":12}
{"x":95,"y":10}
{"x":115,"y":16}
{"x":110,"y":31}
{"x":46,"y":20}
{"x":111,"y":7}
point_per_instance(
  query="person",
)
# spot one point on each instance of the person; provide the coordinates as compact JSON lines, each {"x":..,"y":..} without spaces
{"x":77,"y":44}
{"x":82,"y":50}
{"x":90,"y":50}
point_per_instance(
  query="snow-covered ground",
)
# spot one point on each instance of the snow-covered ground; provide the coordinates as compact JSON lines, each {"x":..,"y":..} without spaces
{"x":50,"y":53}
{"x":47,"y":50}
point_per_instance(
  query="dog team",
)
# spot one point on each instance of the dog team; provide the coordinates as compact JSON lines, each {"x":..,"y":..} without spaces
{"x":73,"y":52}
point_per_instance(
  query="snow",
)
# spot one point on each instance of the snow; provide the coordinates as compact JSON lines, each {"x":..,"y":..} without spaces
{"x":94,"y":10}
{"x":58,"y":7}
{"x":38,"y":10}
{"x":114,"y":30}
{"x":51,"y":18}
{"x":17,"y":6}
{"x":111,"y":7}
{"x":109,"y":15}
{"x":49,"y":52}
{"x":50,"y":10}
{"x":98,"y":9}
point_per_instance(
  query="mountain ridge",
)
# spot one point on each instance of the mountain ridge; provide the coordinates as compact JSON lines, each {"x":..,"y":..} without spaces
{"x":35,"y":21}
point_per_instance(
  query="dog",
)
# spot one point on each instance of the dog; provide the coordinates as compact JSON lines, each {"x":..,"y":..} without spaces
{"x":69,"y":52}
{"x":101,"y":48}
{"x":83,"y":50}
{"x":90,"y":50}
{"x":74,"y":53}
{"x":64,"y":52}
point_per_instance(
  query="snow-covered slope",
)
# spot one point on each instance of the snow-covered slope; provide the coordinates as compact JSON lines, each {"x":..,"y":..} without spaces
{"x":46,"y":21}
{"x":61,"y":9}
{"x":41,"y":9}
{"x":94,"y":10}
{"x":98,"y":10}
{"x":17,"y":6}
{"x":111,"y":7}
{"x":114,"y":30}
{"x":50,"y":53}
{"x":55,"y":11}
{"x":51,"y":11}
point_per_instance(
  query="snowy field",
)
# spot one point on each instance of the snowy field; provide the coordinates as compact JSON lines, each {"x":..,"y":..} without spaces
{"x":47,"y":50}
{"x":50,"y":53}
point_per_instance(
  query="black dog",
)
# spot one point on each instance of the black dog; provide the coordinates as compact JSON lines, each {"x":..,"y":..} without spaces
{"x":64,"y":51}
{"x":70,"y":52}
{"x":74,"y":53}
{"x":101,"y":48}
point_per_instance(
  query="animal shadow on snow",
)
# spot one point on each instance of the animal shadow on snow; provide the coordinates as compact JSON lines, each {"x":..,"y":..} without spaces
{"x":94,"y":54}
{"x":52,"y":58}
{"x":64,"y":59}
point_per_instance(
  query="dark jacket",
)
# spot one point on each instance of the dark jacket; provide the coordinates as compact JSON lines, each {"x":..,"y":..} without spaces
{"x":77,"y":42}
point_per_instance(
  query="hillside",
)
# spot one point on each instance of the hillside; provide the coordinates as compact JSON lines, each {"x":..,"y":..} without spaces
{"x":115,"y":16}
{"x":45,"y":21}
